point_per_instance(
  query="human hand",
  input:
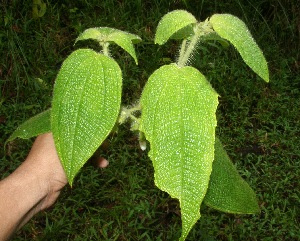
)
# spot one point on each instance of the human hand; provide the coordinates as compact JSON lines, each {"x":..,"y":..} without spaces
{"x":44,"y":162}
{"x":33,"y":186}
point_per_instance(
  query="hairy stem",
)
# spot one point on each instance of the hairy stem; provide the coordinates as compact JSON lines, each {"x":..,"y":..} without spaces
{"x":127,"y":113}
{"x":182,"y":49}
{"x":188,"y":48}
{"x":134,"y":108}
{"x":191,"y":46}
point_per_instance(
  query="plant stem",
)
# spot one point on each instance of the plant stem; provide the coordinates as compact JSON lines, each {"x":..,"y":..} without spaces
{"x":132,"y":117}
{"x":105,"y":48}
{"x":136,"y":107}
{"x":128,"y":113}
{"x":182,"y":49}
{"x":185,"y":54}
{"x":187,"y":49}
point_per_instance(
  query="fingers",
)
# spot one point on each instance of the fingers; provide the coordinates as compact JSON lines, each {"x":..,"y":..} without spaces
{"x":102,"y":162}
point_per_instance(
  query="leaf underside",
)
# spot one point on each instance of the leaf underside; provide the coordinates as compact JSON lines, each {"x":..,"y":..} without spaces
{"x":227,"y":191}
{"x":235,"y":31}
{"x":171,"y":23}
{"x":184,"y":33}
{"x":215,"y":37}
{"x":35,"y":126}
{"x":178,"y":119}
{"x":104,"y":34}
{"x":86,"y":103}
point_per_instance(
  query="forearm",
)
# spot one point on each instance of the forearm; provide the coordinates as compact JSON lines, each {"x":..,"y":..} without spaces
{"x":21,"y":195}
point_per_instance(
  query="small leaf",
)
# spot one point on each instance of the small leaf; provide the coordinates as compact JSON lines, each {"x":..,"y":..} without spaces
{"x":86,"y":104}
{"x":35,"y":126}
{"x":104,"y":34}
{"x":235,"y":31}
{"x":38,"y":8}
{"x":171,"y":23}
{"x":178,"y":119}
{"x":227,"y":191}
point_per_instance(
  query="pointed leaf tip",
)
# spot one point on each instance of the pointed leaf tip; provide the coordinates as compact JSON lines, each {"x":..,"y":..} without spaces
{"x":235,"y":31}
{"x":227,"y":191}
{"x":35,"y":126}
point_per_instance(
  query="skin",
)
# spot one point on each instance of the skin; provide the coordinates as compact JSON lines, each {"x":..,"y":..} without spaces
{"x":33,"y":186}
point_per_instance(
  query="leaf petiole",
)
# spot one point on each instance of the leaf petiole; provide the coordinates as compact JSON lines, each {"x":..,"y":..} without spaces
{"x":105,"y":49}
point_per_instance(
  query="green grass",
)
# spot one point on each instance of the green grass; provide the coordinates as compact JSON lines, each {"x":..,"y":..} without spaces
{"x":258,"y":122}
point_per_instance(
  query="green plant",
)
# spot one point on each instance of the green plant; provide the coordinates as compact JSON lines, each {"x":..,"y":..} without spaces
{"x":176,"y":113}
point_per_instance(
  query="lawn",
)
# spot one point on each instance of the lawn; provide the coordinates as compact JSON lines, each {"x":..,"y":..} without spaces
{"x":258,"y":122}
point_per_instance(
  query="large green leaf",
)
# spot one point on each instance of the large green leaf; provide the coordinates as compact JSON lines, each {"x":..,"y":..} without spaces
{"x":104,"y":34}
{"x":227,"y":191}
{"x":86,"y":104}
{"x":235,"y":31}
{"x":179,"y":120}
{"x":35,"y":126}
{"x":173,"y":22}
